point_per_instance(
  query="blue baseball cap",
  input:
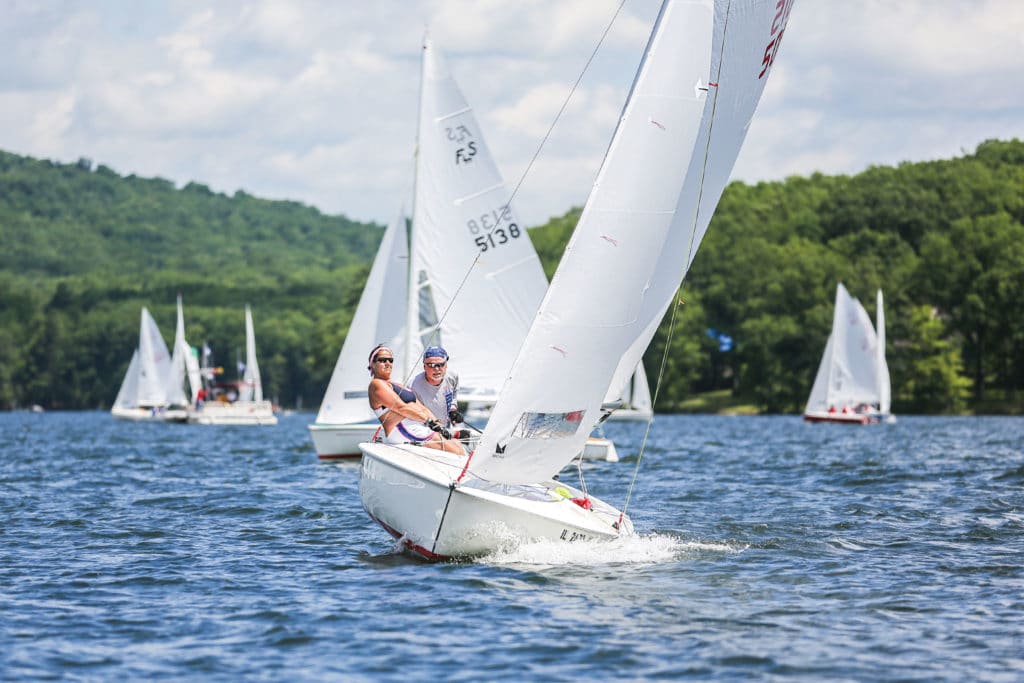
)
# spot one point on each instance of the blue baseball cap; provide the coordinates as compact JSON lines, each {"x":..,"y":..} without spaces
{"x":435,"y":352}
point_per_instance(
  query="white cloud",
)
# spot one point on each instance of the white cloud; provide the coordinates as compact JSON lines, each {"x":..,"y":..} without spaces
{"x":316,"y":101}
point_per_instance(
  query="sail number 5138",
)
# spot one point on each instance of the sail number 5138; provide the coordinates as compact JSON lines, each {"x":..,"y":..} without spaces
{"x":497,"y":237}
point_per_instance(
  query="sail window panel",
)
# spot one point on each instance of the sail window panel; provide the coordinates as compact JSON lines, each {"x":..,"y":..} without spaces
{"x":549,"y":425}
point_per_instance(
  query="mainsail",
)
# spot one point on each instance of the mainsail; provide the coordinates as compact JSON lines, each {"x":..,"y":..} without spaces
{"x":699,"y":84}
{"x":154,"y":365}
{"x":882,"y":368}
{"x":462,"y":213}
{"x":252,"y":389}
{"x":183,"y":367}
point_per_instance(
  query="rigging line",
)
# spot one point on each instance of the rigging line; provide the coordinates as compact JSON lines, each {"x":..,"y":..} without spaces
{"x":529,"y":166}
{"x":689,"y":256}
{"x":565,"y":104}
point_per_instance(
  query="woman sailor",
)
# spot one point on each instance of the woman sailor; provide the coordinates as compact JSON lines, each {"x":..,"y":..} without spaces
{"x":404,"y":418}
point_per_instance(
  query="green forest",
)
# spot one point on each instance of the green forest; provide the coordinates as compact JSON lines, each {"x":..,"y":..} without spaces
{"x":82,"y":249}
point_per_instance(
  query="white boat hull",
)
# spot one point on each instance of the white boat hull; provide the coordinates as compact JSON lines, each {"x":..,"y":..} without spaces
{"x":341,"y":441}
{"x":138,"y":414}
{"x":630,"y":415}
{"x":411,"y":492}
{"x":841,"y":418}
{"x":600,"y":449}
{"x":237,"y":413}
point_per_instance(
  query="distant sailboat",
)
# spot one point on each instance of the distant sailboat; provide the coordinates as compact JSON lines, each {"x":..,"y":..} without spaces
{"x":143,"y":392}
{"x":635,"y":404}
{"x":235,"y":403}
{"x":184,"y":372}
{"x":698,"y":86}
{"x":852,"y":382}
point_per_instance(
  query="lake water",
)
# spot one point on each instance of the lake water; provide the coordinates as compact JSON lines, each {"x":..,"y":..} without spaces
{"x":766,"y":549}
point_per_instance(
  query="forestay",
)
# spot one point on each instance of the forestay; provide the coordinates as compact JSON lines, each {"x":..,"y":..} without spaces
{"x":379,"y":318}
{"x":460,"y":211}
{"x":701,"y":78}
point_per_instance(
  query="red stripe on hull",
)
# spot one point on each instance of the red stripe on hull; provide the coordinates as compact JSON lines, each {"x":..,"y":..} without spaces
{"x":840,"y":419}
{"x":409,"y":545}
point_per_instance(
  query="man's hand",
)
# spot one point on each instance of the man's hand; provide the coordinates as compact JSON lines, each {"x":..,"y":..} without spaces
{"x":436,"y":426}
{"x":454,"y":416}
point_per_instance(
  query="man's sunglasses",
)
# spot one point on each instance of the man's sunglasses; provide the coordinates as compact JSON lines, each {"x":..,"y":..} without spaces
{"x":383,"y":360}
{"x":435,"y":366}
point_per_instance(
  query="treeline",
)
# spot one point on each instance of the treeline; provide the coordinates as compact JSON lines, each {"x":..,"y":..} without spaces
{"x":82,"y":249}
{"x":944,"y":240}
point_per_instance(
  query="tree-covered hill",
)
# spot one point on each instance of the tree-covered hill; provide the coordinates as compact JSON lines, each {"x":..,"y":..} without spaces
{"x":83,"y":249}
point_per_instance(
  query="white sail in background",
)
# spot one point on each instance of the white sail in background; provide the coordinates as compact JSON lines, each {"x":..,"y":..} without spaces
{"x":882,"y":368}
{"x":379,"y":318}
{"x":461,"y":211}
{"x":640,"y":391}
{"x":154,"y":364}
{"x":252,"y":389}
{"x":667,"y":165}
{"x":184,"y":367}
{"x":128,"y":394}
{"x":852,"y":371}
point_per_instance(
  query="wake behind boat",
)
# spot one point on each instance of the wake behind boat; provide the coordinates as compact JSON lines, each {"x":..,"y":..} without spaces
{"x":700,"y":81}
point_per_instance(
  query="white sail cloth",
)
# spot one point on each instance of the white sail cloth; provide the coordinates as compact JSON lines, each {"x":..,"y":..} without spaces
{"x":852,"y":369}
{"x":667,"y":165}
{"x":184,"y":367}
{"x":252,"y":385}
{"x":461,"y":211}
{"x":379,"y":318}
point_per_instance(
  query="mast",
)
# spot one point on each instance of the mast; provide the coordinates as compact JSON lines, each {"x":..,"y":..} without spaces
{"x":412,"y":318}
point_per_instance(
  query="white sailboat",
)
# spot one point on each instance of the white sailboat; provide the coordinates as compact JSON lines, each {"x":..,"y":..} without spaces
{"x":183,"y":380}
{"x":345,"y":418}
{"x":635,"y":404}
{"x":236,"y":403}
{"x":852,"y":382}
{"x":698,"y":86}
{"x":143,"y":392}
{"x":460,"y":214}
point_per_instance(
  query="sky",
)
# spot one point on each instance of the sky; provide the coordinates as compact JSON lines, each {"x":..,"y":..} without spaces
{"x":315,"y":100}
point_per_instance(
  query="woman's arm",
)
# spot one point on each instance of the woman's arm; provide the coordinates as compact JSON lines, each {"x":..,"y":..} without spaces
{"x":381,"y":394}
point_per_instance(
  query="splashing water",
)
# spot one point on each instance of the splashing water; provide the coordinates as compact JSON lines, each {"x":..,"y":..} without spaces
{"x":636,"y":549}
